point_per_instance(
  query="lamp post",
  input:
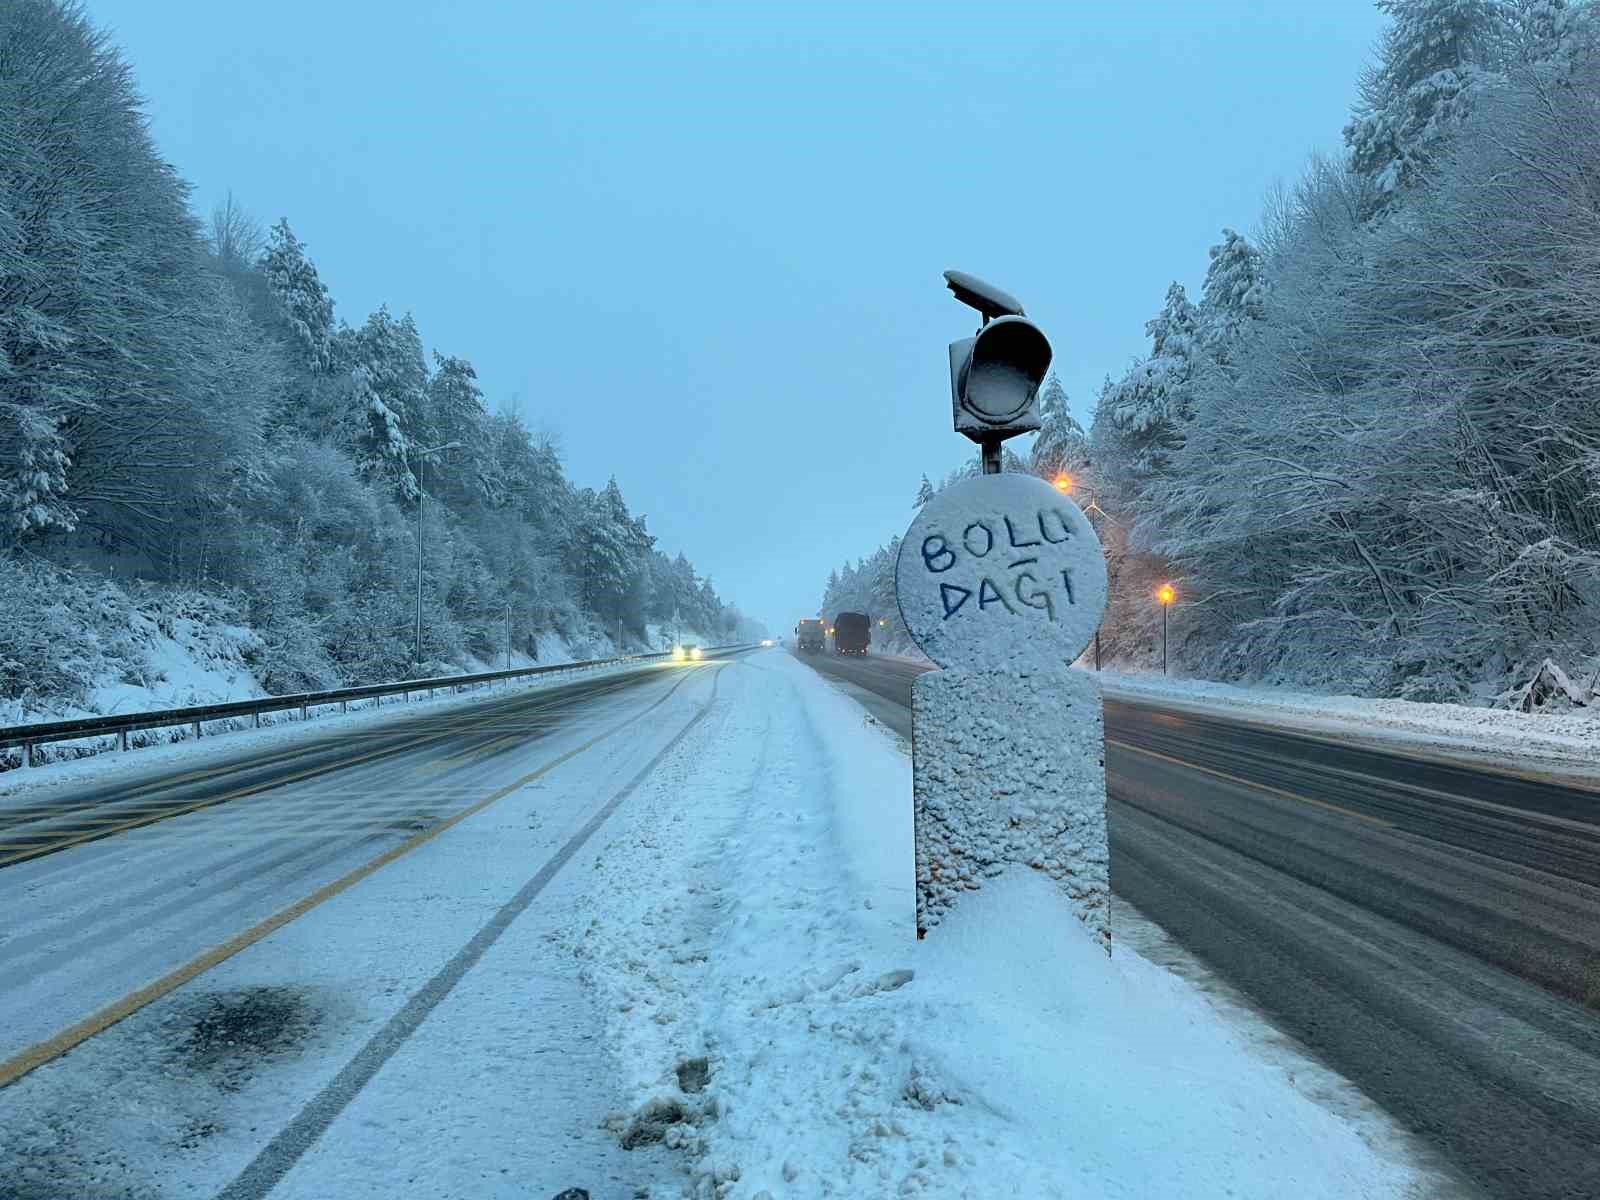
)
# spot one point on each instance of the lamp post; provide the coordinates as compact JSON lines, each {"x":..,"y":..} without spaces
{"x":422,"y":466}
{"x":1066,"y":485}
{"x":1165,"y":595}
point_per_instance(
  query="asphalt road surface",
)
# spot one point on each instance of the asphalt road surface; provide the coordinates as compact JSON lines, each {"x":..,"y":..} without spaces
{"x":1429,"y":930}
{"x":111,"y":882}
{"x":122,"y":890}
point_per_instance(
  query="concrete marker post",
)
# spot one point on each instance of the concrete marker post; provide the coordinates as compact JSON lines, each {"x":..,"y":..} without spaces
{"x":1002,"y":582}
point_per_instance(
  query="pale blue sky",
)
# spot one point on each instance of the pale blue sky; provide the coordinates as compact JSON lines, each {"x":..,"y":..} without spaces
{"x":703,"y":242}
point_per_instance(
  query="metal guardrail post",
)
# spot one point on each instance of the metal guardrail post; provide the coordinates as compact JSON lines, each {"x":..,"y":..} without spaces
{"x":197,"y":731}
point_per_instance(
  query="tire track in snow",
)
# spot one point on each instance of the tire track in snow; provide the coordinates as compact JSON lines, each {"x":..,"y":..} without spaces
{"x":279,"y":1156}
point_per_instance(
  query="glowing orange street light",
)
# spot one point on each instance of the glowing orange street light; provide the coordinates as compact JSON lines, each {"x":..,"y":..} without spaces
{"x":1166,"y":595}
{"x":1063,"y":483}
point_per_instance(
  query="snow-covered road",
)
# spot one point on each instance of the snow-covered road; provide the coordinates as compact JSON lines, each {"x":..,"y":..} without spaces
{"x":675,"y":954}
{"x":189,"y":1091}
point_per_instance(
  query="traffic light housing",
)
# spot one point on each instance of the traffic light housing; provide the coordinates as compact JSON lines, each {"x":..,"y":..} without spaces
{"x":995,"y":375}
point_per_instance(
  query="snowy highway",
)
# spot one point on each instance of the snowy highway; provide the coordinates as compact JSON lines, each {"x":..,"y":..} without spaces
{"x":179,"y":932}
{"x":650,"y":932}
{"x":1430,"y":929}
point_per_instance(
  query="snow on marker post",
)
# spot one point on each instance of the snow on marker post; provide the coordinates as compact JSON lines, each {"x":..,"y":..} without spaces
{"x":1002,"y":582}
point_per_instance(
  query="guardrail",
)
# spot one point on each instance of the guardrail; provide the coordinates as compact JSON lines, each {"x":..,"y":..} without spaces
{"x":122,"y":724}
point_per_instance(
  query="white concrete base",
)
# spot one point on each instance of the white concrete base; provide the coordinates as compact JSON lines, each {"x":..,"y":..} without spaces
{"x":1009,"y":767}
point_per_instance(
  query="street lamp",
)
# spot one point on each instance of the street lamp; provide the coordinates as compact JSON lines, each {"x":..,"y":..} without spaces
{"x":1067,"y":486}
{"x":422,"y":466}
{"x":1165,"y":595}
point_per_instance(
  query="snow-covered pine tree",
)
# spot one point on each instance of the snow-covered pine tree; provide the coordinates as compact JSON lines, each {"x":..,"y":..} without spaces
{"x":924,"y":493}
{"x":1553,"y":37}
{"x":387,"y":392}
{"x":453,"y":412}
{"x":1144,"y":414}
{"x":1061,"y":444}
{"x":1233,"y":296}
{"x":1436,"y":55}
{"x":303,"y":302}
{"x":607,"y":548}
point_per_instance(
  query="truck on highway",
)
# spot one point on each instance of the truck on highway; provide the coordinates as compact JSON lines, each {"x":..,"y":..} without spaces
{"x":852,"y":633}
{"x":811,"y":635}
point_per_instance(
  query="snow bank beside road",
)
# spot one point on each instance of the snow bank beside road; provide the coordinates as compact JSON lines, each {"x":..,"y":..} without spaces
{"x":753,"y":946}
{"x":1569,"y":740}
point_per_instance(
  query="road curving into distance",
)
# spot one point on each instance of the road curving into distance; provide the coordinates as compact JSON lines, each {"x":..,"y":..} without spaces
{"x":1430,"y":930}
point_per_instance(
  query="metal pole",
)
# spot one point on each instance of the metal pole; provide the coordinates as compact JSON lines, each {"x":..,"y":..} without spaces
{"x":1096,"y":649}
{"x":508,"y":637}
{"x":1164,"y":608}
{"x":422,"y":467}
{"x":991,"y":456}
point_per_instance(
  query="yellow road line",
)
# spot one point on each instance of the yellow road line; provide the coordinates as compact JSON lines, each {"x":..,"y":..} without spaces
{"x":36,"y":1056}
{"x":1253,"y":785}
{"x":151,"y":818}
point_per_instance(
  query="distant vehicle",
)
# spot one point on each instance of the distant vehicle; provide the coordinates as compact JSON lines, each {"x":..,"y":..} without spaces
{"x":766,"y":641}
{"x":852,"y":633}
{"x":687,"y":653}
{"x":811,"y":635}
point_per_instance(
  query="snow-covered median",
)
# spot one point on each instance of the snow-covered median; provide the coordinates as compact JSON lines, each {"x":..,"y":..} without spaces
{"x":752,"y":944}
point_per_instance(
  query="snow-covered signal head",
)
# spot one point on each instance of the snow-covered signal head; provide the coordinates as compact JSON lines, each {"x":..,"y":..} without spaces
{"x":995,"y":376}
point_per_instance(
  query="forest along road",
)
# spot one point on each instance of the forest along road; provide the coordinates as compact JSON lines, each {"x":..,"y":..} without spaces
{"x":1430,"y":930}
